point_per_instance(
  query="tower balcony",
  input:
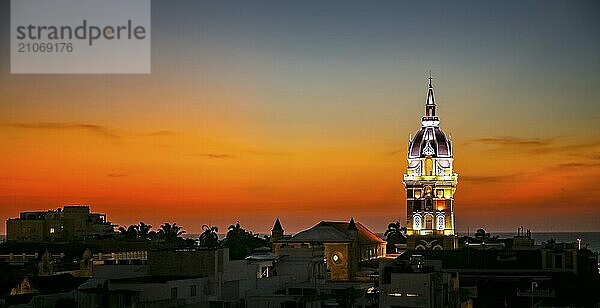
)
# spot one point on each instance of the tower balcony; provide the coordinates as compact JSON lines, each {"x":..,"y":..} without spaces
{"x":411,"y":178}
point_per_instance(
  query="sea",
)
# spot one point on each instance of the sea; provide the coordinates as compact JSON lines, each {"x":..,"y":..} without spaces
{"x":589,"y":240}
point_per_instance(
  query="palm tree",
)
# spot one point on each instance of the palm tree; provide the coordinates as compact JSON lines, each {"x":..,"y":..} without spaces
{"x":394,"y":235}
{"x":170,"y":232}
{"x":143,"y":231}
{"x":235,"y":229}
{"x":209,"y":237}
{"x":241,"y":242}
{"x":130,"y":232}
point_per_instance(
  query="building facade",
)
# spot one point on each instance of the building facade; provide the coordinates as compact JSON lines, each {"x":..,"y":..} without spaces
{"x":344,"y":246}
{"x":67,"y":224}
{"x":430,"y":183}
{"x":416,"y":283}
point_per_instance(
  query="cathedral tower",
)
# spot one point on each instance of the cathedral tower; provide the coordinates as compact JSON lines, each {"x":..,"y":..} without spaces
{"x":430,"y":184}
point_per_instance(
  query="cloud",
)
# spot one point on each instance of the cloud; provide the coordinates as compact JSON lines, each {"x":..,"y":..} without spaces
{"x":271,"y":153}
{"x":116,"y":175}
{"x":537,"y":145}
{"x":99,"y":130}
{"x":515,"y":141}
{"x":161,"y":133}
{"x":577,"y":165}
{"x":488,"y":178}
{"x":216,"y":155}
{"x":250,"y":152}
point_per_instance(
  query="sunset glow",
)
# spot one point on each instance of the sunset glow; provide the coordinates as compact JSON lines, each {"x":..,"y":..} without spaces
{"x":256,"y":116}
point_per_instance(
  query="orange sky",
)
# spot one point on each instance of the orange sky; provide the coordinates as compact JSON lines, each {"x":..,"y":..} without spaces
{"x":203,"y":176}
{"x":306,"y":117}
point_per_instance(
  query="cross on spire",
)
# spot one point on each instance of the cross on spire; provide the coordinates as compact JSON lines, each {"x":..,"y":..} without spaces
{"x":430,"y":86}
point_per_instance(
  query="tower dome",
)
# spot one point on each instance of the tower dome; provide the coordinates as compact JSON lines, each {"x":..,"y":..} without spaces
{"x":430,"y":140}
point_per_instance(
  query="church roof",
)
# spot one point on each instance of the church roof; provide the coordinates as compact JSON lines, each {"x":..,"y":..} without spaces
{"x":336,"y":231}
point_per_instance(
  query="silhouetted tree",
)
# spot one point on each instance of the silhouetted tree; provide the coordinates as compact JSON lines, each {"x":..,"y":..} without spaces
{"x":241,"y":242}
{"x":141,"y":231}
{"x":170,"y":232}
{"x":130,"y":232}
{"x":480,"y":234}
{"x":209,"y":237}
{"x":144,"y":231}
{"x":394,"y":235}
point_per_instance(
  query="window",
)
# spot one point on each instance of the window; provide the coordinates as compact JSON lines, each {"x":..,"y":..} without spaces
{"x":428,"y":204}
{"x":429,"y":222}
{"x":440,"y":193}
{"x":417,"y":222}
{"x":336,"y":258}
{"x":440,"y":205}
{"x":417,"y":205}
{"x":441,"y":222}
{"x":417,"y":193}
{"x":174,"y":293}
{"x":266,"y":271}
{"x":193,"y":291}
{"x":558,"y":261}
{"x":51,"y":230}
{"x":409,"y":193}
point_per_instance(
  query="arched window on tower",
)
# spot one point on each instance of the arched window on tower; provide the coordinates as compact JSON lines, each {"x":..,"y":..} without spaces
{"x":441,"y":222}
{"x":428,"y":222}
{"x":417,"y":222}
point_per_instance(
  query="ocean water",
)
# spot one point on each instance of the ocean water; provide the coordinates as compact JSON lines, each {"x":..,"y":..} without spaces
{"x":591,"y":240}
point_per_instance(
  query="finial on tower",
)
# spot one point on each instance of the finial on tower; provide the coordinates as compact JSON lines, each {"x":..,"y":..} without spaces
{"x":430,"y":86}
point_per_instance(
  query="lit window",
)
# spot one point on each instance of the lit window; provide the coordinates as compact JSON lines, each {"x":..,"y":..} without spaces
{"x":336,"y":258}
{"x":417,"y":193}
{"x":441,"y":222}
{"x":440,"y":193}
{"x":440,"y":205}
{"x":51,"y":230}
{"x":417,"y":222}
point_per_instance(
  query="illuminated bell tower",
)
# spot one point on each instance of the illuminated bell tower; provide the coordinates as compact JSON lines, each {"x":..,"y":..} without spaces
{"x":430,"y":184}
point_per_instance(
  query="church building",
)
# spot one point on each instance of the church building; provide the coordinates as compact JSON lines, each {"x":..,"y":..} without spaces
{"x":430,"y":183}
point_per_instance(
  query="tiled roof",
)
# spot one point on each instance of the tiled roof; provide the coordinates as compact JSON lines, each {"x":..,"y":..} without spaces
{"x":335,"y":231}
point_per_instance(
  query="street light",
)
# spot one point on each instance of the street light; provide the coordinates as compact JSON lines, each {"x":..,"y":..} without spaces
{"x":533,"y":284}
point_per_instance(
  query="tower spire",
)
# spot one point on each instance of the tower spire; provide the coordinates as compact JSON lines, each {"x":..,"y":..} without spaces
{"x":430,"y":117}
